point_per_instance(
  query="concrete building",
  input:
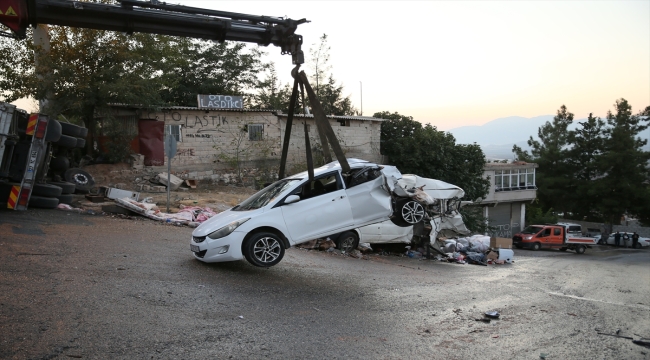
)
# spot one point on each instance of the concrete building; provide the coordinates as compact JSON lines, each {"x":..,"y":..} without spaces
{"x":214,"y":139}
{"x":512,"y":186}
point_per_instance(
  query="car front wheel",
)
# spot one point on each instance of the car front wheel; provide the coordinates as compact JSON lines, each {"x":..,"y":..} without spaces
{"x":263,"y":249}
{"x":410,"y":211}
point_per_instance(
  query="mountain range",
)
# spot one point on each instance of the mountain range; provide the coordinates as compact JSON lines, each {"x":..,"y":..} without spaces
{"x":497,"y":137}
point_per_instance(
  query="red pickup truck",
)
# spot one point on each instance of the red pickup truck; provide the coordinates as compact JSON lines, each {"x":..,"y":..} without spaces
{"x":551,"y":236}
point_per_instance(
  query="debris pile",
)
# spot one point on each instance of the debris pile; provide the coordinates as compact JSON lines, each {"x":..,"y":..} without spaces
{"x":477,"y":250}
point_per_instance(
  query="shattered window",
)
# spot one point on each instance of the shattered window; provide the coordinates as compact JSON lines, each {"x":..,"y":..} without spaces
{"x":255,"y":132}
{"x":322,"y":185}
{"x":361,"y":176}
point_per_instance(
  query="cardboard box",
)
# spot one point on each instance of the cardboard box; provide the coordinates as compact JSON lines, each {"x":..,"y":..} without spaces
{"x":493,"y":255}
{"x":496,"y":242}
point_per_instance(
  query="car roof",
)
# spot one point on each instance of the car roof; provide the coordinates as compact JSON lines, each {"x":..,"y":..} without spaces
{"x":334,"y":165}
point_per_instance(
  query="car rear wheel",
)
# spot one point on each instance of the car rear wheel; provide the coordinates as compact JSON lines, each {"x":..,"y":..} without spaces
{"x":347,"y":241}
{"x":263,"y":249}
{"x":638,"y":246}
{"x":536,"y":246}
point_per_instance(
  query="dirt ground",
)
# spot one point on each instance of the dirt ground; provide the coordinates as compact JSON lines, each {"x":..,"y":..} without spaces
{"x":218,"y":197}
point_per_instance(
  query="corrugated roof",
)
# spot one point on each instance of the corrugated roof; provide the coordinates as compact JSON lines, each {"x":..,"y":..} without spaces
{"x":342,"y":117}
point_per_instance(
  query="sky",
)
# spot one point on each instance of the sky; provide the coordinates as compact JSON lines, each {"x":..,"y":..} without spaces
{"x":459,"y":63}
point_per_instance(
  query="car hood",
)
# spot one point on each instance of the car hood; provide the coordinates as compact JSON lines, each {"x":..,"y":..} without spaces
{"x":222,"y":219}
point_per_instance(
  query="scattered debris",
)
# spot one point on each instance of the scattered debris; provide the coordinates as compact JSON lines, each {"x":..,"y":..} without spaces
{"x":492,"y":314}
{"x":485,"y":320}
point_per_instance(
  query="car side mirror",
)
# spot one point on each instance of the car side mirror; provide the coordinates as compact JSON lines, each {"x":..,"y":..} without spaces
{"x":292,"y":199}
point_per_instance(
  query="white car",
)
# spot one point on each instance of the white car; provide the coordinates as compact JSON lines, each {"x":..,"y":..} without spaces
{"x":295,"y":210}
{"x":643,"y":241}
{"x":443,"y":215}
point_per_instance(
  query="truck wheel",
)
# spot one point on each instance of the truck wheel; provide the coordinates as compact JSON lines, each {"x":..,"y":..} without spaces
{"x":580,"y":249}
{"x":43,"y":202}
{"x":65,"y":199}
{"x":82,"y":179}
{"x":347,"y":241}
{"x":60,"y":163}
{"x":81,"y":143}
{"x":66,"y":187}
{"x":53,"y":131}
{"x":83,"y":133}
{"x":46,"y":190}
{"x":537,"y":246}
{"x":67,"y":141}
{"x":70,"y":129}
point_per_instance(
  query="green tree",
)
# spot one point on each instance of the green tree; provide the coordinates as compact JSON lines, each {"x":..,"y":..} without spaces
{"x":624,"y":188}
{"x":427,"y":152}
{"x":271,"y":94}
{"x":202,"y":67}
{"x":89,"y":69}
{"x":554,"y":176}
{"x":329,"y":93}
{"x":583,"y":159}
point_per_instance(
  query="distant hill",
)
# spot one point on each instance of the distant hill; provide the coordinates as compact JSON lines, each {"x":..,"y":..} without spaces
{"x":497,"y":137}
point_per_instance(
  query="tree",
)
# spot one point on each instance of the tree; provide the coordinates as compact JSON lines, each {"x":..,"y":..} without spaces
{"x":88,"y":69}
{"x":624,"y":188}
{"x":583,"y":159}
{"x":201,"y":67}
{"x":554,"y":175}
{"x":329,"y":93}
{"x":425,"y":151}
{"x":271,"y":94}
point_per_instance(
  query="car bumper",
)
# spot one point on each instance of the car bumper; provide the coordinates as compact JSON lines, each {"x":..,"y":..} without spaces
{"x":220,"y":250}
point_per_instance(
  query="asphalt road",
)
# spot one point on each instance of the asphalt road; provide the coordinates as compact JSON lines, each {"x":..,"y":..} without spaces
{"x":96,"y":287}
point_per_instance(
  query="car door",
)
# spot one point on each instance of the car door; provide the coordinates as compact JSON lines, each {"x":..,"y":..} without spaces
{"x":322,"y":210}
{"x":370,"y":202}
{"x":556,"y":239}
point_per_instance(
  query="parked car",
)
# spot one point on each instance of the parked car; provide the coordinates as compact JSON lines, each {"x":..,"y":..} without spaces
{"x":643,"y":241}
{"x":294,"y":210}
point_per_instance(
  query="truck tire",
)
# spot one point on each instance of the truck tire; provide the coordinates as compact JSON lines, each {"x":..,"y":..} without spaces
{"x":82,"y":180}
{"x":83,"y":133}
{"x":53,"y":132}
{"x":66,"y":187}
{"x":46,"y":190}
{"x":81,"y":143}
{"x":536,"y":246}
{"x":60,"y":163}
{"x":70,"y":129}
{"x":43,"y":202}
{"x":580,"y":249}
{"x":67,"y":141}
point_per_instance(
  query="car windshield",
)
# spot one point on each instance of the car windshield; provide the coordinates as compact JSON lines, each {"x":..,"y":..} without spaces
{"x":266,"y":195}
{"x":532,"y":230}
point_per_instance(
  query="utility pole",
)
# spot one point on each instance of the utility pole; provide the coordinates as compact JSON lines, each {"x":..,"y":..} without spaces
{"x":361,"y":89}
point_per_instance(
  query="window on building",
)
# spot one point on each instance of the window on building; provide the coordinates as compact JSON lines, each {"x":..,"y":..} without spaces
{"x":520,"y":179}
{"x":255,"y":132}
{"x":175,"y":131}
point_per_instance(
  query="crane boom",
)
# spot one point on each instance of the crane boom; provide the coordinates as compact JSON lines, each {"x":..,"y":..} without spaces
{"x":156,"y":18}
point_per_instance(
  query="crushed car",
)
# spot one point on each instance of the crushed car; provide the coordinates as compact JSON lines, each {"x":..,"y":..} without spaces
{"x":296,"y":209}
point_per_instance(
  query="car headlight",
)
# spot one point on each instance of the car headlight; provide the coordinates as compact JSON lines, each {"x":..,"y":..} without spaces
{"x":527,"y":237}
{"x":226,"y":230}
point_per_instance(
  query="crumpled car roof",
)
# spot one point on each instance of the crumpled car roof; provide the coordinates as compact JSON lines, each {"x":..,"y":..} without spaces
{"x":437,"y":189}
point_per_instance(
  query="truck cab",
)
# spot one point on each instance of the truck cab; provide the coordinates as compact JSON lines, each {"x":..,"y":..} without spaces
{"x":536,"y":237}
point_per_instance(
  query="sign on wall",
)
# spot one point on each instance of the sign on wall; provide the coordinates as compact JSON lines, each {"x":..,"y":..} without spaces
{"x":220,"y":101}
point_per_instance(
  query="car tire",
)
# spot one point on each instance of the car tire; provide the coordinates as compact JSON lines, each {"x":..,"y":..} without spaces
{"x":638,"y":246}
{"x":53,"y":131}
{"x":410,"y":211}
{"x":536,"y":246}
{"x":580,"y":249}
{"x":70,"y":129}
{"x":43,"y":202}
{"x":263,"y":249}
{"x":66,"y":187}
{"x":46,"y":190}
{"x":83,"y":180}
{"x":67,"y":141}
{"x":347,"y":241}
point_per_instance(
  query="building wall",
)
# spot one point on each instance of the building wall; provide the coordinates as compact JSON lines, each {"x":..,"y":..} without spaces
{"x":211,"y":139}
{"x":505,"y":218}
